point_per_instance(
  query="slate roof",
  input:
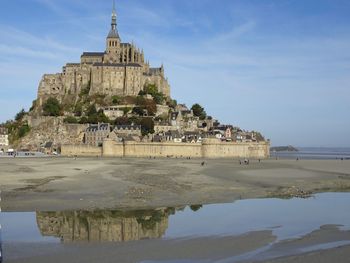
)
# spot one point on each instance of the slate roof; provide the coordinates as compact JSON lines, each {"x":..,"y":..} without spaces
{"x":155,"y":70}
{"x":128,"y":127}
{"x":113,"y":34}
{"x":92,"y":54}
{"x":117,"y":65}
{"x":96,"y":127}
{"x":48,"y":144}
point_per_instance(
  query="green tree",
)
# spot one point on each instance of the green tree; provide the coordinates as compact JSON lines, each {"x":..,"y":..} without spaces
{"x":138,"y":111}
{"x":159,"y":98}
{"x":85,"y":90}
{"x":70,"y":119}
{"x":91,"y":110}
{"x":116,"y":100}
{"x":122,"y":121}
{"x":140,"y":100}
{"x":151,"y":89}
{"x":147,"y":126}
{"x":135,"y":120}
{"x":19,"y":116}
{"x":83,"y":120}
{"x":126,"y":110}
{"x":101,"y":117}
{"x":23,"y":130}
{"x":163,"y":117}
{"x":141,"y":93}
{"x":52,"y":107}
{"x":78,"y":109}
{"x":151,"y":107}
{"x":95,"y":117}
{"x":195,"y":208}
{"x":33,"y":105}
{"x":172,"y":103}
{"x":199,"y":111}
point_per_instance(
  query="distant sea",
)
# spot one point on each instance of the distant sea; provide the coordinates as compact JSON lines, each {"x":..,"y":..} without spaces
{"x":315,"y":153}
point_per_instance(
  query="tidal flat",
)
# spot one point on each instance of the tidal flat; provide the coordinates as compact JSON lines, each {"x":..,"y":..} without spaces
{"x":174,"y":210}
{"x":59,"y":184}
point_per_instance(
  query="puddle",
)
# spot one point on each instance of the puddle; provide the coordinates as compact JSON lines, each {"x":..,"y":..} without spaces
{"x":285,"y":218}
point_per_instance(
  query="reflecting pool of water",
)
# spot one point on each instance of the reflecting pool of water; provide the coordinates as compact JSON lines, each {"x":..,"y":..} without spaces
{"x":286,"y":218}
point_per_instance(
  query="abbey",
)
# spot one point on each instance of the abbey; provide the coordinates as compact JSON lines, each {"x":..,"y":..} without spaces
{"x":121,"y":70}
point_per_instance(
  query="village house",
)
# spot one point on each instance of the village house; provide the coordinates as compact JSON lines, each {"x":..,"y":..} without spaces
{"x":192,"y":137}
{"x":160,"y":127}
{"x":4,"y":138}
{"x":134,"y":130}
{"x":96,"y":133}
{"x":173,"y":136}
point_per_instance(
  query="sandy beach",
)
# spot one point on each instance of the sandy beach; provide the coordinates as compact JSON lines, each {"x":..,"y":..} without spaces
{"x":63,"y":184}
{"x":92,"y":183}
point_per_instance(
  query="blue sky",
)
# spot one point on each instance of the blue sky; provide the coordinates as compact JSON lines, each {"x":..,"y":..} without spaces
{"x":278,"y":66}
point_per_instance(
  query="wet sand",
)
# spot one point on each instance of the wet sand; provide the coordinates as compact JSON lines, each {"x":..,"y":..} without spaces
{"x":90,"y":183}
{"x":250,"y":247}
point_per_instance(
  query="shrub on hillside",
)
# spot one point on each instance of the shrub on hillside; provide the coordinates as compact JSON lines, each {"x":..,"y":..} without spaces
{"x":52,"y":107}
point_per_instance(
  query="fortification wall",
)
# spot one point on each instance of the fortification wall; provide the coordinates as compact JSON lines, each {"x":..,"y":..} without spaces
{"x":81,"y":150}
{"x":134,"y":149}
{"x":212,"y":149}
{"x":112,"y":149}
{"x":209,"y":149}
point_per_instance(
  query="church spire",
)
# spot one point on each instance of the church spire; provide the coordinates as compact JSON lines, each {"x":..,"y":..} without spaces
{"x":113,"y":33}
{"x":114,"y":17}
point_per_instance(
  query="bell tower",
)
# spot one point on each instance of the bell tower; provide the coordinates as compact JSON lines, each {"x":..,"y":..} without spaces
{"x":113,"y":41}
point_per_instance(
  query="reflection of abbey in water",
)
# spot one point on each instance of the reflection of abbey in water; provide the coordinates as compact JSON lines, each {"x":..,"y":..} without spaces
{"x":104,"y":225}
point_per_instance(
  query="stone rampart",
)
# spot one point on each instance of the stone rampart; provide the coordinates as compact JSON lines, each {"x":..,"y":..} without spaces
{"x":112,"y":149}
{"x":166,"y":149}
{"x":208,"y":149}
{"x":81,"y":150}
{"x":217,"y":149}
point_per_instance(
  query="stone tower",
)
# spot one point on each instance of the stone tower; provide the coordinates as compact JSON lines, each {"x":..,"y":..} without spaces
{"x":113,"y":40}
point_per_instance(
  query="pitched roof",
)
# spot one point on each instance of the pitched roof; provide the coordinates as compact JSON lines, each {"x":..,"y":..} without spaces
{"x":128,"y":127}
{"x":117,"y":65}
{"x":92,"y":54}
{"x":97,"y":127}
{"x":48,"y":144}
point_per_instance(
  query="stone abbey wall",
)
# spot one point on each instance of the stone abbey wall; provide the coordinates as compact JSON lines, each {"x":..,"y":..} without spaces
{"x":208,"y":149}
